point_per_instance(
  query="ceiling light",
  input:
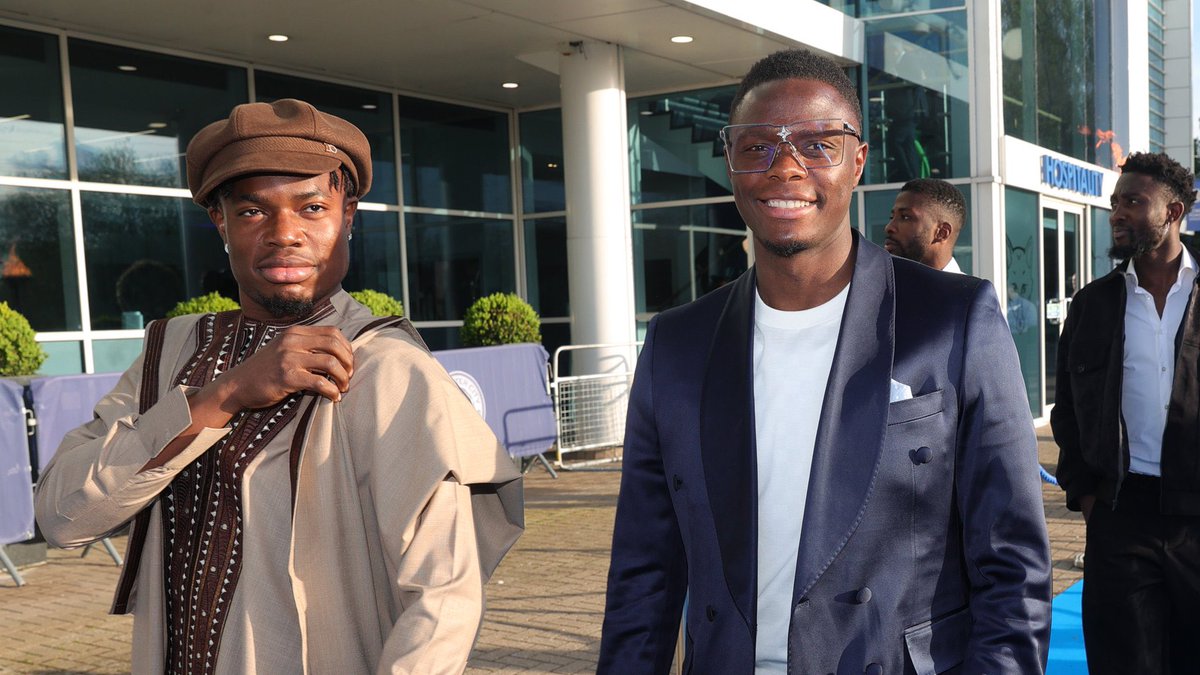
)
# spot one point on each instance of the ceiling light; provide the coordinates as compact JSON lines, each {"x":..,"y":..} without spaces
{"x":157,"y":125}
{"x":369,"y":106}
{"x":127,"y":69}
{"x":647,"y":113}
{"x":277,"y":37}
{"x":681,"y":39}
{"x":510,"y":85}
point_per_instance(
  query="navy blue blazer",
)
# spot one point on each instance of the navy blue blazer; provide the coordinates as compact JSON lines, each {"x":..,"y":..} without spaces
{"x":924,"y":543}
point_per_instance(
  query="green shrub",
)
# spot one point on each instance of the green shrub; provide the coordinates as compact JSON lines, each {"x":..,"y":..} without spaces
{"x":20,"y":354}
{"x":380,"y":304}
{"x":205,"y":304}
{"x":500,"y":319}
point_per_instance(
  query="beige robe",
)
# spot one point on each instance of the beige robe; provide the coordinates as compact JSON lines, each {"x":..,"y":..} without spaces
{"x":405,"y":504}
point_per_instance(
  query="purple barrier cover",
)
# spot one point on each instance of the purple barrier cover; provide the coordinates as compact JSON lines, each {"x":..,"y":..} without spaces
{"x":507,"y":385}
{"x":62,"y":403}
{"x":16,"y":482}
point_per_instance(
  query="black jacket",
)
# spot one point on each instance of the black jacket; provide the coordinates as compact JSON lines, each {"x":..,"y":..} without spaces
{"x":1086,"y":419}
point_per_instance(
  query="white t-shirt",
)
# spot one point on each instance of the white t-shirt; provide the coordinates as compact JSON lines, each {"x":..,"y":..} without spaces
{"x":793,"y":353}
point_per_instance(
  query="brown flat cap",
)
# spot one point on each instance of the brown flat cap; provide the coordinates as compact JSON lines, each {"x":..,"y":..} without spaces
{"x":285,"y":137}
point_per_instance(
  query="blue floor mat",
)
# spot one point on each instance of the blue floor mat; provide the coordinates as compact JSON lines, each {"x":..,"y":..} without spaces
{"x":1067,"y":656}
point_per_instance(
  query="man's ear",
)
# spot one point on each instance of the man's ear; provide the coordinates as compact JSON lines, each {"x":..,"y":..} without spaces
{"x":1175,"y":212}
{"x":942,"y":232}
{"x":348,"y":216}
{"x":217,"y":216}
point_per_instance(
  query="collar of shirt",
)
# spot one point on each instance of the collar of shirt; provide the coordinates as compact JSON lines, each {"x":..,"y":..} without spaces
{"x":1187,"y":273}
{"x":953,"y":267}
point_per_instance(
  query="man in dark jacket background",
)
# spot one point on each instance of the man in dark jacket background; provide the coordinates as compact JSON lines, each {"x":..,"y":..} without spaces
{"x":1127,"y":422}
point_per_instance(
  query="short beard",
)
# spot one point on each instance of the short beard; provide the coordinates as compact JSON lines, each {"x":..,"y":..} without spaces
{"x":286,"y":308}
{"x":1138,"y":247}
{"x":784,"y":250}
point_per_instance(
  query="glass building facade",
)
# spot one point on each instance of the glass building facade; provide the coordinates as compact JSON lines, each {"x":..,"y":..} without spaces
{"x":470,"y":199}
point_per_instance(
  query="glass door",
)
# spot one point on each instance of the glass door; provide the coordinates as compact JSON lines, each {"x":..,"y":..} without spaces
{"x":1062,"y":245}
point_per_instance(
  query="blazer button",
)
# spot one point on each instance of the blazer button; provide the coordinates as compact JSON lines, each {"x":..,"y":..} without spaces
{"x":922,"y":455}
{"x":677,"y":482}
{"x":711,"y":613}
{"x":864,"y":596}
{"x":873,"y":669}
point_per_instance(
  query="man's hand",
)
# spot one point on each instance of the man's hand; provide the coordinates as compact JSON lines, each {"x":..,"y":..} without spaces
{"x":301,"y":358}
{"x":1086,"y":503}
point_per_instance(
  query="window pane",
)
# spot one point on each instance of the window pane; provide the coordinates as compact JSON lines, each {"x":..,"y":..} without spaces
{"x":144,"y":254}
{"x":878,"y":207}
{"x":370,"y":111}
{"x":677,"y":258}
{"x":542,"y":185}
{"x":867,"y":8}
{"x":38,"y":274}
{"x":1101,"y":241}
{"x":375,"y":254}
{"x":135,"y":111}
{"x":32,"y":140}
{"x":546,"y":266}
{"x":440,"y":338}
{"x":62,"y":358}
{"x":454,"y":157}
{"x":452,"y":262}
{"x":674,"y":149}
{"x":114,"y":356}
{"x":1057,"y":75}
{"x":917,"y":98}
{"x":1025,"y":322}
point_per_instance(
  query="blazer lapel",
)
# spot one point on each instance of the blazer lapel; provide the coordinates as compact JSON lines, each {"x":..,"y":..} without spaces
{"x":853,"y":416}
{"x":727,"y":443}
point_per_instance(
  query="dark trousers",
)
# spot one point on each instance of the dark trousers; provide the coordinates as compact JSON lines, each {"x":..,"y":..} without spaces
{"x":1141,"y":586}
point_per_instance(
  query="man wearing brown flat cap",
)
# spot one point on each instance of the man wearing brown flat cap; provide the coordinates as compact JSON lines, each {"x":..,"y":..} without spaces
{"x":308,"y":490}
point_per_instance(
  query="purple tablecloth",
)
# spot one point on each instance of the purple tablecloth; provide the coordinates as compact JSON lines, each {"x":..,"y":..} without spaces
{"x":507,"y":385}
{"x":62,"y":403}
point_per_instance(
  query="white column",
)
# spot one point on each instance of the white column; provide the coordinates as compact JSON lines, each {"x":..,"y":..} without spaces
{"x":987,"y":136}
{"x":596,"y":166}
{"x":1131,"y":77}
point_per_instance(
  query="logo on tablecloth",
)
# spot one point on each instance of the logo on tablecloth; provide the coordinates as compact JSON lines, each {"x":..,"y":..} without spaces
{"x":470,"y":387}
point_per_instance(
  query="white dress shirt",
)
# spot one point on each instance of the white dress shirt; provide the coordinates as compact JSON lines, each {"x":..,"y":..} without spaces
{"x":1149,"y":364}
{"x":952,"y":267}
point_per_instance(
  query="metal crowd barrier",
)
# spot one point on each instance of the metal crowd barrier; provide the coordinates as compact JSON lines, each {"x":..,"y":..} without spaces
{"x":590,"y":402}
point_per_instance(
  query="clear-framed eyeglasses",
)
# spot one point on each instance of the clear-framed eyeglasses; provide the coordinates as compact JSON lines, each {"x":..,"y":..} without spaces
{"x":815,"y":144}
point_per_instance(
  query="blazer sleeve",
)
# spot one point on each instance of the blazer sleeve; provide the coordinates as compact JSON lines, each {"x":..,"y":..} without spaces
{"x":647,"y":579}
{"x":1000,"y":500}
{"x":1073,"y":473}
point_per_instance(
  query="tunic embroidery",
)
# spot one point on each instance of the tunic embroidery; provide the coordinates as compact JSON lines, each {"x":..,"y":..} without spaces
{"x":202,"y":507}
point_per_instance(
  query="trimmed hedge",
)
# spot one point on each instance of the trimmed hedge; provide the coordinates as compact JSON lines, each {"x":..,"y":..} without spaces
{"x":204,"y":304}
{"x":380,"y":304}
{"x":20,"y":354}
{"x":500,"y":319}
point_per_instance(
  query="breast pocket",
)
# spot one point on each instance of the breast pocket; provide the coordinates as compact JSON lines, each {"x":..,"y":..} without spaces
{"x":915,"y":408}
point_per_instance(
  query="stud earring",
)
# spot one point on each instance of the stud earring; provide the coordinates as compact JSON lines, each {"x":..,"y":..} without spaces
{"x":350,"y":236}
{"x":226,"y":249}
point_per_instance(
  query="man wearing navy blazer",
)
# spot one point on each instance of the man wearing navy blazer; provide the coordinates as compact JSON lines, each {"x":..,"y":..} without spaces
{"x":829,"y":464}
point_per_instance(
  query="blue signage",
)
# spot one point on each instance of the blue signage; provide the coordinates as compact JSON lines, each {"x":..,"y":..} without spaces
{"x":1067,"y":176}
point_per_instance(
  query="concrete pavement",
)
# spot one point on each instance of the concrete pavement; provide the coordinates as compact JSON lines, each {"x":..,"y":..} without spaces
{"x":544,"y":602}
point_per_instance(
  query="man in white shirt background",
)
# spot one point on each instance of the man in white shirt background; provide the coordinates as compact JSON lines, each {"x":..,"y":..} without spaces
{"x":1127,"y":422}
{"x":926,"y":218}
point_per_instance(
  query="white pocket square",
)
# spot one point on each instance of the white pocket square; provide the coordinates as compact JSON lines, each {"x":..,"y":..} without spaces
{"x":900,"y":392}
